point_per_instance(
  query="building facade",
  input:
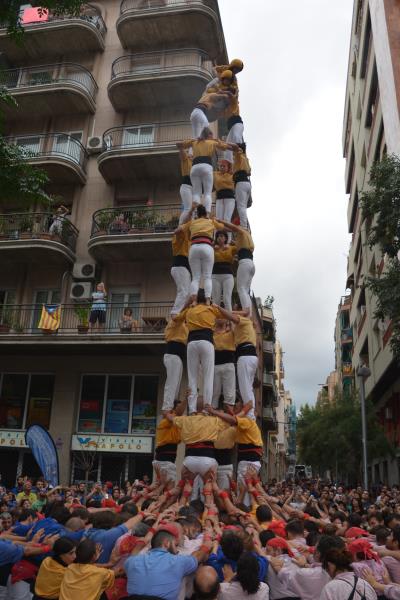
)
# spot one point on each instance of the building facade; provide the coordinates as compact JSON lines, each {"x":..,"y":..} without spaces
{"x":103,"y":98}
{"x":371,"y":129}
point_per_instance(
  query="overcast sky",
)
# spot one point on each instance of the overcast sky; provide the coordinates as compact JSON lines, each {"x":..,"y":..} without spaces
{"x":292,"y":94}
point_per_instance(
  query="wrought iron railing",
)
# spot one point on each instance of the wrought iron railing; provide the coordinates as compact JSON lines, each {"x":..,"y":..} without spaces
{"x":24,"y":319}
{"x":143,"y":5}
{"x":152,"y":135}
{"x":135,"y":219}
{"x":158,"y":62}
{"x":56,"y":74}
{"x":88,"y":13}
{"x":38,"y":225}
{"x":47,"y":145}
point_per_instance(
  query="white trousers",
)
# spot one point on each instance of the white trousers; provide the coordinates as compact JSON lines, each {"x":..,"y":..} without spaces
{"x":224,"y":474}
{"x":224,"y":208}
{"x":201,"y":261}
{"x":235,"y":136}
{"x":222,"y":288}
{"x":224,"y":383}
{"x":181,"y":276}
{"x":198,"y":120}
{"x":242,"y":193}
{"x":241,"y":475}
{"x":174,"y":367}
{"x":244,"y":277}
{"x":186,"y":192}
{"x":202,"y":179}
{"x":18,"y":591}
{"x":246,"y":371}
{"x":200,"y":354}
{"x":199,"y":465}
{"x":167,"y":467}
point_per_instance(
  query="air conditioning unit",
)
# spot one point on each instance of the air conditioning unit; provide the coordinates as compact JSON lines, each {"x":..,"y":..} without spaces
{"x":81,"y":290}
{"x":95,"y":144}
{"x":84,"y":270}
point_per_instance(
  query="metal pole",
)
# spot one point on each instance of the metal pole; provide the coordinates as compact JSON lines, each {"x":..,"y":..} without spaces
{"x":363,"y":372}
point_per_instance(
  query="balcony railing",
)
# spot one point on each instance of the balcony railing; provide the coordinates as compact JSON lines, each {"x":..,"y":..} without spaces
{"x":268,"y":379}
{"x":141,"y":137}
{"x":161,"y":62}
{"x":347,"y":335}
{"x":90,"y":14}
{"x":24,"y":319}
{"x":135,"y":220}
{"x":48,"y":145}
{"x":44,"y":75}
{"x":142,"y":5}
{"x":268,"y":347}
{"x":38,"y":225}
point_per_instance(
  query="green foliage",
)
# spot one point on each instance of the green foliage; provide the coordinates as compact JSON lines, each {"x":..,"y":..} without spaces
{"x":381,"y":207}
{"x":329,"y":437}
{"x":82,"y":312}
{"x":10,"y":11}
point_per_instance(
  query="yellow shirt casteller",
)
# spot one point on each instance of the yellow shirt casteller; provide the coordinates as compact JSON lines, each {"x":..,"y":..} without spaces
{"x":176,"y":331}
{"x":186,"y":165}
{"x":167,"y":433}
{"x":243,"y":239}
{"x":244,"y":332}
{"x":248,"y":432}
{"x":241,"y":162}
{"x":225,"y":254}
{"x":200,"y":428}
{"x":205,"y":147}
{"x":224,"y":340}
{"x":86,"y":582}
{"x":202,"y":227}
{"x":223,"y":181}
{"x":200,"y":316}
{"x":49,"y":578}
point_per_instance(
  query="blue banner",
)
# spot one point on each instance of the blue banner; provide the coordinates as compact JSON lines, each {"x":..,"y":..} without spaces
{"x":43,"y":449}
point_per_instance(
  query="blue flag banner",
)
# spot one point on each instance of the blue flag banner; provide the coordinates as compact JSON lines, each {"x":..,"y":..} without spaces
{"x":43,"y":449}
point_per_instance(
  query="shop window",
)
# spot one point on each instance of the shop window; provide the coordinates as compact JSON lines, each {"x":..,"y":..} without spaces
{"x":24,"y":394}
{"x":39,"y":400}
{"x":118,"y":404}
{"x":91,"y":406}
{"x":145,"y":404}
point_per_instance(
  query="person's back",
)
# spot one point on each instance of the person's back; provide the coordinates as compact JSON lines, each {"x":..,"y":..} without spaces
{"x":342,"y":586}
{"x":246,"y":583}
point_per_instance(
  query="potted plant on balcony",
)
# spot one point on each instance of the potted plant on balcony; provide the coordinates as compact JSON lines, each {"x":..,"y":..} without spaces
{"x":6,"y":321}
{"x":160,"y":224}
{"x":82,"y":312}
{"x":25,"y":227}
{"x":103,"y":221}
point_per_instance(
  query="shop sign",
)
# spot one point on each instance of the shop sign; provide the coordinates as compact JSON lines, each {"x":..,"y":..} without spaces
{"x":12,"y":439}
{"x":112,"y":443}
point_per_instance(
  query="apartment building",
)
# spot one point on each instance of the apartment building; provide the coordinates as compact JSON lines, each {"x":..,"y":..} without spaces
{"x":371,"y":129}
{"x":103,"y":98}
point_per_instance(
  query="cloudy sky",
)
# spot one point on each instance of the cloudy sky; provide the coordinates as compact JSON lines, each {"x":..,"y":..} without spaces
{"x":292,"y":96}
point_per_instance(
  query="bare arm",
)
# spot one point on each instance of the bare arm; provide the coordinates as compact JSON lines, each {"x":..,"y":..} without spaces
{"x":222,"y":415}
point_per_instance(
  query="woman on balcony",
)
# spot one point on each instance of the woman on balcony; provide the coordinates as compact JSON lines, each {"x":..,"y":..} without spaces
{"x":201,"y":254}
{"x":201,"y":174}
{"x":222,"y":274}
{"x":185,"y":190}
{"x":99,"y":307}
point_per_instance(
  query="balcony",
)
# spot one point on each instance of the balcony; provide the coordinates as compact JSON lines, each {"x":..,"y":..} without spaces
{"x":268,"y":347}
{"x":167,"y":24}
{"x":159,"y":79}
{"x":347,"y":369}
{"x":48,"y":34}
{"x":143,"y":151}
{"x":61,"y":155}
{"x":269,"y":418}
{"x":133,"y":233}
{"x":31,"y":238}
{"x":49,"y":89}
{"x":347,"y":335}
{"x":268,"y":350}
{"x":19,"y":324}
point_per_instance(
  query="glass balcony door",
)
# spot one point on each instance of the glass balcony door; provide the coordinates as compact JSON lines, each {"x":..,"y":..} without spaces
{"x":121,"y":299}
{"x":43,"y":297}
{"x":65,"y":145}
{"x":138,"y":136}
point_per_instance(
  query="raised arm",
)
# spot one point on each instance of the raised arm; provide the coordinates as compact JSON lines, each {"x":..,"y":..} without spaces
{"x":221,"y":414}
{"x":230,"y":226}
{"x":227,"y":314}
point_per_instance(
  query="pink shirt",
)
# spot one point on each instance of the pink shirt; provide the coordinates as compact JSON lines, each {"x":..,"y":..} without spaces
{"x":308,"y":584}
{"x":340,"y":588}
{"x":377,"y":568}
{"x":392,"y":592}
{"x":234,"y":591}
{"x":393,"y":566}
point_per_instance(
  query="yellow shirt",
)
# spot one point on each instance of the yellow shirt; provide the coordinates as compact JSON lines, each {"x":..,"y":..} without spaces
{"x":223,"y":181}
{"x":224,"y":340}
{"x":49,"y":578}
{"x":241,"y":162}
{"x":248,"y":432}
{"x":85,"y":582}
{"x":180,"y":244}
{"x":244,"y":332}
{"x":224,"y":254}
{"x":205,"y":147}
{"x":200,"y":316}
{"x":200,"y":428}
{"x":167,"y":433}
{"x":176,"y":331}
{"x":186,"y":165}
{"x":226,"y":439}
{"x":243,"y":239}
{"x":202,"y":227}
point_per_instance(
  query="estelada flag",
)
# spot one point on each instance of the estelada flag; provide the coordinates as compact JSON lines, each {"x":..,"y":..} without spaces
{"x":50,"y":317}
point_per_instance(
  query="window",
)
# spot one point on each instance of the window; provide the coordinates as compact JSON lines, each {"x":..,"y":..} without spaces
{"x":372,"y":98}
{"x":67,"y":144}
{"x":138,"y":136}
{"x":31,"y":144}
{"x":25,"y":399}
{"x":367,"y":46}
{"x":41,"y":297}
{"x":118,"y":404}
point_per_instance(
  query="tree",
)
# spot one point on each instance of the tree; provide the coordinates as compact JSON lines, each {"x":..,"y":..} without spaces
{"x":328,"y":437}
{"x":381,"y":208}
{"x":10,"y":12}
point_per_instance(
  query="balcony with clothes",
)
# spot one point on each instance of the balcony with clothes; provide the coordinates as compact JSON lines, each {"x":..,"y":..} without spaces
{"x":37,"y":237}
{"x":143,"y":151}
{"x":47,"y":34}
{"x":133,"y":233}
{"x":61,"y":155}
{"x":69,"y":325}
{"x":159,"y":79}
{"x":56,"y":89}
{"x":167,"y":24}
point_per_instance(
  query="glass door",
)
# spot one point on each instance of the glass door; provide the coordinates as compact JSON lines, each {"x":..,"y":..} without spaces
{"x":119,"y":301}
{"x":67,"y":144}
{"x":43,"y":297}
{"x":138,"y":136}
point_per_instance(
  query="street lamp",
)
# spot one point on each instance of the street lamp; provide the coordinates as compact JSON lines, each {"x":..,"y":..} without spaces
{"x":363,"y":372}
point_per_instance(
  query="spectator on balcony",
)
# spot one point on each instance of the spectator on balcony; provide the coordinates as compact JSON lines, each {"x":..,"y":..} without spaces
{"x":201,"y":174}
{"x":119,"y":225}
{"x":222,"y":274}
{"x":225,"y":189}
{"x":99,"y":307}
{"x":127,"y":322}
{"x":57,"y":222}
{"x":185,"y":190}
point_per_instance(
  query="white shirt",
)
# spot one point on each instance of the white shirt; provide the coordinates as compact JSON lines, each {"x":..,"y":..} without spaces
{"x":279,"y":582}
{"x":308,"y":583}
{"x":340,"y":588}
{"x":234,"y":591}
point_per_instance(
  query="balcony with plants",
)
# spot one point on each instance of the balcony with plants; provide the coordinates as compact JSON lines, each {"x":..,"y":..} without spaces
{"x":133,"y":232}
